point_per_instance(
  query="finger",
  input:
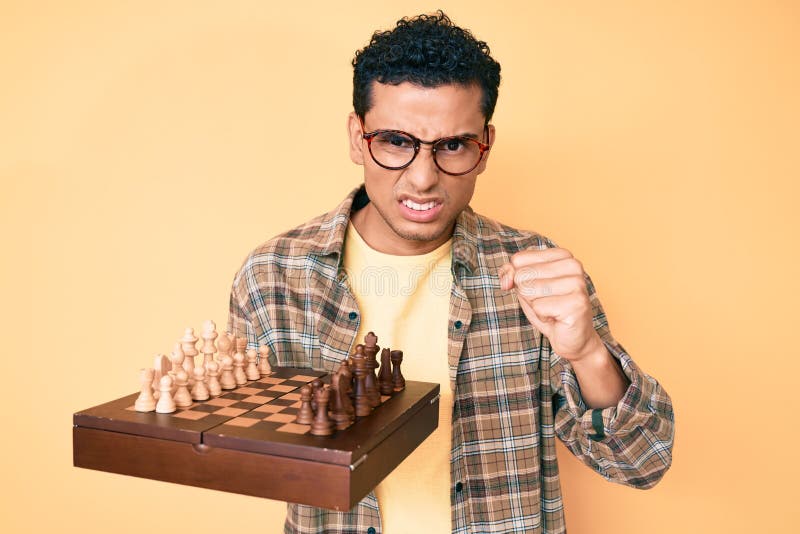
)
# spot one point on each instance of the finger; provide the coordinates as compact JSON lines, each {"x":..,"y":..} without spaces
{"x":566,"y":310}
{"x":546,"y":287}
{"x":531,"y":256}
{"x":553,"y":269}
{"x":506,"y":275}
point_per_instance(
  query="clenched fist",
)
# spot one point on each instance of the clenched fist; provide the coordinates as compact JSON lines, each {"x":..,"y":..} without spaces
{"x":552,"y":292}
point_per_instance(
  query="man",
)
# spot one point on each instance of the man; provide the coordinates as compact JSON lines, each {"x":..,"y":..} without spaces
{"x":507,"y":322}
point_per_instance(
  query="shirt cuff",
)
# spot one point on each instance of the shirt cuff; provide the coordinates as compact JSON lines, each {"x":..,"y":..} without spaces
{"x":632,"y":409}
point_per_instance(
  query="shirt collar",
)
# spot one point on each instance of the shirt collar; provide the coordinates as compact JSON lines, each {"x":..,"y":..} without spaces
{"x":333,"y":228}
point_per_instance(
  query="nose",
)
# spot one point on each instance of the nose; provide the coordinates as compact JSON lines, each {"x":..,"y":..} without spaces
{"x":423,"y":172}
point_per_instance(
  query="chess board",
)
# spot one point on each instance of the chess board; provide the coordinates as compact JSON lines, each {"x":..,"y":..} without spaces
{"x":246,"y":441}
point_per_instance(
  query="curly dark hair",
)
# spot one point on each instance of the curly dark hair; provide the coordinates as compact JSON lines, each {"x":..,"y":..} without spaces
{"x":429,"y":51}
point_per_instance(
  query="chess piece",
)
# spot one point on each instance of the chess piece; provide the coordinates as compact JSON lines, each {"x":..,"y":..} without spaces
{"x":316,"y":385}
{"x":225,"y":348}
{"x":240,"y":345}
{"x":263,"y":361}
{"x":212,"y":373}
{"x":200,"y":390}
{"x":305,"y":414}
{"x":161,"y":367}
{"x":322,"y":425}
{"x":346,"y":384}
{"x":385,"y":384}
{"x":339,"y":413}
{"x":165,"y":403}
{"x":398,"y":382}
{"x":145,"y":402}
{"x":176,"y":357}
{"x":226,"y":379}
{"x":370,"y":380}
{"x":209,"y":335}
{"x":189,"y":350}
{"x":362,"y":403}
{"x":238,"y":369}
{"x":182,"y":397}
{"x":252,"y":369}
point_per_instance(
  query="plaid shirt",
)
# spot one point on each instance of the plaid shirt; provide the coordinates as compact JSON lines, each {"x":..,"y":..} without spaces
{"x":513,"y":394}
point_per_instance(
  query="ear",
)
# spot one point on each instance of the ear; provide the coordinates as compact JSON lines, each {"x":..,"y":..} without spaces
{"x":354,"y":133}
{"x":482,"y":164}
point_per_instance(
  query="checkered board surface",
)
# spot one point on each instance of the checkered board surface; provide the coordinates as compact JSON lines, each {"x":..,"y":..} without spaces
{"x":270,"y":403}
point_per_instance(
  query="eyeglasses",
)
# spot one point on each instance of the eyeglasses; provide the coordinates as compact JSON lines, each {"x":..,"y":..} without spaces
{"x":455,"y":155}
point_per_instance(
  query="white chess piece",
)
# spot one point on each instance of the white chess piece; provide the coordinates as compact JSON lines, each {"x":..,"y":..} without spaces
{"x":212,"y":371}
{"x":252,"y":369}
{"x":176,"y":357}
{"x":161,"y":366}
{"x":190,"y":351}
{"x":227,"y":380}
{"x":209,"y":335}
{"x":238,"y":369}
{"x":263,"y":361}
{"x":165,"y":403}
{"x":182,"y":396}
{"x":146,"y":402}
{"x":200,"y":390}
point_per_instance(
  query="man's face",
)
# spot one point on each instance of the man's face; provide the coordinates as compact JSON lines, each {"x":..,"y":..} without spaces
{"x":413,"y":210}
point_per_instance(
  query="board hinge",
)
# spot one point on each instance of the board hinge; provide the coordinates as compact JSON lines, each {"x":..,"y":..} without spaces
{"x":358,"y":462}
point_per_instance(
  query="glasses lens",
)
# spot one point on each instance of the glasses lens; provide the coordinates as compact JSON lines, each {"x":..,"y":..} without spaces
{"x":457,"y":155}
{"x":392,"y":149}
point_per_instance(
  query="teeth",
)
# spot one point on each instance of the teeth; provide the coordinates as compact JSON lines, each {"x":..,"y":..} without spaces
{"x":419,"y":207}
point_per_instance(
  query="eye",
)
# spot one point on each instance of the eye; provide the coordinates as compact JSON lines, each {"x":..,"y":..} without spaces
{"x":394,"y":140}
{"x":453,"y":144}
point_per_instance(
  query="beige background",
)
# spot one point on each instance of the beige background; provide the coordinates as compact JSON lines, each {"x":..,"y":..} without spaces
{"x":146,"y":147}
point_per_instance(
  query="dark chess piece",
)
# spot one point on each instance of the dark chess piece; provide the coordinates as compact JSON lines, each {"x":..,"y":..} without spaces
{"x":305,"y":415}
{"x":360,"y":394}
{"x":315,"y":385}
{"x":370,"y":380}
{"x":398,"y":382}
{"x":322,"y":425}
{"x":385,"y":376}
{"x":339,"y":412}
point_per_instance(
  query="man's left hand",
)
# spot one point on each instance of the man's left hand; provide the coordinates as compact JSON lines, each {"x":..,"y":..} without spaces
{"x":552,"y":292}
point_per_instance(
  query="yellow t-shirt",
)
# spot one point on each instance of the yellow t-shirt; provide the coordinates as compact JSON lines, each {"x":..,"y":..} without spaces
{"x":405,"y":301}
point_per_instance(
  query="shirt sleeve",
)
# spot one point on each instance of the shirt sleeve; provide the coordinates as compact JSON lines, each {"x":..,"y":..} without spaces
{"x":240,"y":322}
{"x":630,"y":443}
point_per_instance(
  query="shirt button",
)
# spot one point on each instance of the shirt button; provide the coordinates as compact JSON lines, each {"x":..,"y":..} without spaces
{"x":353,"y":316}
{"x":459,"y":487}
{"x":371,"y":530}
{"x":458,"y":325}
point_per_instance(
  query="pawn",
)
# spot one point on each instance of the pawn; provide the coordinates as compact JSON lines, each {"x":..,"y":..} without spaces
{"x":146,"y":402}
{"x":214,"y":387}
{"x":227,"y":380}
{"x":316,"y":385}
{"x":238,"y":369}
{"x":252,"y":369}
{"x":176,"y":357}
{"x":322,"y":425}
{"x":305,"y":415}
{"x":182,"y":397}
{"x":200,"y":390}
{"x":263,"y":361}
{"x":165,"y":403}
